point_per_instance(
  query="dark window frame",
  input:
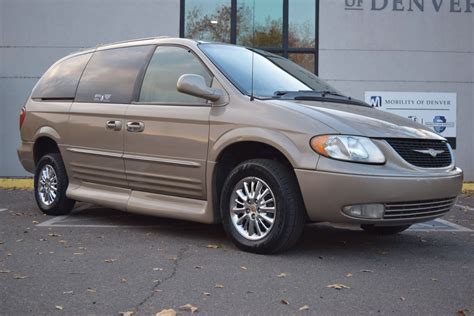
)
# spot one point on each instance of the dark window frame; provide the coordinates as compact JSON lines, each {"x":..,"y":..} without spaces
{"x":285,"y":50}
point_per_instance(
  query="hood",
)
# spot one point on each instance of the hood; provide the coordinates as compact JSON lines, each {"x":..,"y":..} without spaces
{"x":360,"y":120}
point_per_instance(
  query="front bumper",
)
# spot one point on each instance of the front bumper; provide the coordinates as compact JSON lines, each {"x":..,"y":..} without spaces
{"x":326,"y":193}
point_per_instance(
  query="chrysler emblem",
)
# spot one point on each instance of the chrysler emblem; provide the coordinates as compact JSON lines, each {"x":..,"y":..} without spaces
{"x":430,"y":151}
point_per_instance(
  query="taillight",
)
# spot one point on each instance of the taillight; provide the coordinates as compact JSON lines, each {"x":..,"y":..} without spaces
{"x":22,"y":115}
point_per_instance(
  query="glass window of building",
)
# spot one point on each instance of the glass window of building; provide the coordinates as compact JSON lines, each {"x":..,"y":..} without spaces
{"x":285,"y":27}
{"x":207,"y":20}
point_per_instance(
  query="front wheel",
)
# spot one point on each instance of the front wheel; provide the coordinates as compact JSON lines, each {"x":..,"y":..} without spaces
{"x":384,"y":230}
{"x":51,"y":182}
{"x":261,"y":206}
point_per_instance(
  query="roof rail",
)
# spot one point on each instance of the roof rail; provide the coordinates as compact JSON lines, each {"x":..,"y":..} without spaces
{"x":131,"y":40}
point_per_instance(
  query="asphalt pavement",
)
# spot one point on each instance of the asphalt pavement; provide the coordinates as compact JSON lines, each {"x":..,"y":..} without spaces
{"x":104,"y":262}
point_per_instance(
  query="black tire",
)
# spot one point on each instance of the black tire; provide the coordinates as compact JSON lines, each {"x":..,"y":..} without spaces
{"x":60,"y":205}
{"x":289,"y":218}
{"x":384,"y":230}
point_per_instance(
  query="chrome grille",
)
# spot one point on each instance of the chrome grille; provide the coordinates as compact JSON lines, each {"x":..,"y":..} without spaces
{"x":414,"y":209}
{"x":406,"y":148}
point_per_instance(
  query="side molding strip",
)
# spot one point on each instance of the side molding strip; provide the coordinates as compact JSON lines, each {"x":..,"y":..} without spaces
{"x":168,"y":161}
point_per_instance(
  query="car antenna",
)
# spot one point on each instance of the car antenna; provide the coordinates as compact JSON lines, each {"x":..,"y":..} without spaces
{"x":253,"y":53}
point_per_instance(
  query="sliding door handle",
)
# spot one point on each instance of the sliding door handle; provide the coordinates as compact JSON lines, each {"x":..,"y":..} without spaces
{"x":114,"y":125}
{"x":135,"y":127}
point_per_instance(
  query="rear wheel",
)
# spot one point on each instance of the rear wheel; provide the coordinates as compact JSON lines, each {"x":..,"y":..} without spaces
{"x":384,"y":230}
{"x":51,"y":183}
{"x":261,"y":207}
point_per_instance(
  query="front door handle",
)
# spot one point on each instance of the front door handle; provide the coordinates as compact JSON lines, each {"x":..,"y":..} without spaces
{"x":135,"y":127}
{"x":114,"y":125}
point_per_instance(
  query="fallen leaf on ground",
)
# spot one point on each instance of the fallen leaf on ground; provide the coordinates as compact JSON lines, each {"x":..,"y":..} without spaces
{"x":303,"y":308}
{"x":281,"y":275}
{"x":219,"y":286}
{"x":110,"y":260}
{"x":189,"y":308}
{"x":338,"y":286}
{"x":349,"y":275}
{"x":213,"y":246}
{"x":284,"y":302}
{"x":17,"y":276}
{"x":243,"y":267}
{"x":5,"y":271}
{"x":166,"y":312}
{"x":68,"y":292}
{"x":206,"y":294}
{"x":461,"y":312}
{"x":59,"y":307}
{"x":129,"y":313}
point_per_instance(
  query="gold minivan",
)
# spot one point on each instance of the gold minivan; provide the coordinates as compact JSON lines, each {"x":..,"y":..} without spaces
{"x":212,"y":133}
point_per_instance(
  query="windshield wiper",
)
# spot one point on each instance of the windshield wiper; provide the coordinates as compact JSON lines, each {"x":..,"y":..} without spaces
{"x":329,"y":92}
{"x":314,"y":95}
{"x":283,"y":92}
{"x":323,"y":93}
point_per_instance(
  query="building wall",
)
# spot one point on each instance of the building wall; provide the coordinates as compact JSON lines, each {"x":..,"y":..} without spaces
{"x":401,"y":50}
{"x":360,"y":50}
{"x":34,"y":34}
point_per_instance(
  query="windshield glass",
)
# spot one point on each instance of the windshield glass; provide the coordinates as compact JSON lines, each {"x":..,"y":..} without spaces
{"x":272,"y":74}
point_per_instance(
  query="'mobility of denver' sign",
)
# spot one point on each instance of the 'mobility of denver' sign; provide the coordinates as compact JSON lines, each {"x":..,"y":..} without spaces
{"x":456,"y":6}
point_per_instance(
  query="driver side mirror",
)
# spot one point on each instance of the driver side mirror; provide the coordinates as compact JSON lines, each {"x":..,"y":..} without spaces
{"x":195,"y":85}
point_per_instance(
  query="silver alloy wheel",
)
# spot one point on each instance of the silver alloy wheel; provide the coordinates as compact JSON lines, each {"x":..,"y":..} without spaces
{"x":253,"y":208}
{"x":47,"y":185}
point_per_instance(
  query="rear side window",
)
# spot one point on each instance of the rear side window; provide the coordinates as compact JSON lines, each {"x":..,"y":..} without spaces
{"x":111,"y":74}
{"x":60,"y":81}
{"x":166,"y":66}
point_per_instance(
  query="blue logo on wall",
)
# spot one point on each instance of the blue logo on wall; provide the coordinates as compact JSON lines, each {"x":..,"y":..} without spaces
{"x":376,"y":101}
{"x":439,"y":119}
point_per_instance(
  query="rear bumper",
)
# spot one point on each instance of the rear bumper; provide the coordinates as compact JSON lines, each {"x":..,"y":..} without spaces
{"x":25,"y":155}
{"x":326,"y":193}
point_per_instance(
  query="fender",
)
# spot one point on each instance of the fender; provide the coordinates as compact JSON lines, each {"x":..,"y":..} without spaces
{"x":47,"y":131}
{"x":296,"y":156}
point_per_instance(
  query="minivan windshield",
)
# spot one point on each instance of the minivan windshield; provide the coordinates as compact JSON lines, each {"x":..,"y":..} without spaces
{"x":273,"y":75}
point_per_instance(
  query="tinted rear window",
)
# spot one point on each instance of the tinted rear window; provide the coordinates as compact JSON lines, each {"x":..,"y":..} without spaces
{"x":111,"y":74}
{"x":60,"y":81}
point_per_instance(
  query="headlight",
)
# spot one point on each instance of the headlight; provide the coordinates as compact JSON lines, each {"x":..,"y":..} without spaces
{"x":349,"y":148}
